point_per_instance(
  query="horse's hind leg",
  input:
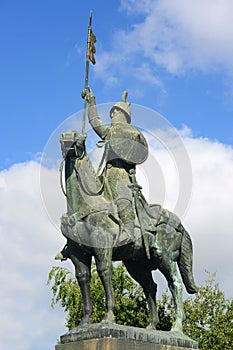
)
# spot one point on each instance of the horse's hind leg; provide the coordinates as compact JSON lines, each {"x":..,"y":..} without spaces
{"x":169,"y":270}
{"x":142,"y":274}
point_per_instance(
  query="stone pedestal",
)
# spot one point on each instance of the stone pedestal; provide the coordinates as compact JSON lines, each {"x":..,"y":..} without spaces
{"x":116,"y":337}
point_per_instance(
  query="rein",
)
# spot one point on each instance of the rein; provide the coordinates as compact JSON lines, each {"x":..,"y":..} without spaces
{"x":61,"y":182}
{"x":85,"y":187}
{"x":62,"y":165}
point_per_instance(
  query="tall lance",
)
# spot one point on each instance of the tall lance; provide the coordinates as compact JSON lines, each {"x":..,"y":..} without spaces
{"x":91,"y":50}
{"x":91,"y":40}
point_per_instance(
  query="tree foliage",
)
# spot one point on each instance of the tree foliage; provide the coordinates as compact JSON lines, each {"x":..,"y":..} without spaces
{"x":67,"y":294}
{"x":209,"y":315}
{"x":131,"y":306}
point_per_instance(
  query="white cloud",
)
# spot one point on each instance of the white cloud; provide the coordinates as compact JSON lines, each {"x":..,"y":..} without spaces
{"x":178,"y":35}
{"x":29,"y":240}
{"x":28,"y":244}
{"x":208,"y":217}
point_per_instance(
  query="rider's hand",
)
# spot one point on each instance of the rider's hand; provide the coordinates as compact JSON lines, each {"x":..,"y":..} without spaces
{"x":87,"y":94}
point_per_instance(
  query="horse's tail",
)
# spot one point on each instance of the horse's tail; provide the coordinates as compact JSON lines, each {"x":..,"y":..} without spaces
{"x":185,"y":261}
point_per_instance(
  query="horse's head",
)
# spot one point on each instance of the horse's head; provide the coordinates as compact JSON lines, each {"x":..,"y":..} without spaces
{"x":73,"y":144}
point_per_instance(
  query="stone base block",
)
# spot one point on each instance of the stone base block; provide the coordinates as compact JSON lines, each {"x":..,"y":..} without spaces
{"x":116,"y":337}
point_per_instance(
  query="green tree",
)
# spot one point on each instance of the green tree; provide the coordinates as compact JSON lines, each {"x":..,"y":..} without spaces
{"x":131,"y":307}
{"x":209,"y":315}
{"x":67,"y":294}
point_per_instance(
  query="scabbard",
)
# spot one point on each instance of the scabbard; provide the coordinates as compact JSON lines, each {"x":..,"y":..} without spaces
{"x":138,"y":206}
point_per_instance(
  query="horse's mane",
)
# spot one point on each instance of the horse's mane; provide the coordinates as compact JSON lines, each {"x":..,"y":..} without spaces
{"x":89,"y":181}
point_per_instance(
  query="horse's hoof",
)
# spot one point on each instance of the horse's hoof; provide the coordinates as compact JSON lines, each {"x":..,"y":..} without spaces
{"x":109,"y":318}
{"x":59,"y":256}
{"x":85,"y":322}
{"x":177,"y":330}
{"x":151,"y":327}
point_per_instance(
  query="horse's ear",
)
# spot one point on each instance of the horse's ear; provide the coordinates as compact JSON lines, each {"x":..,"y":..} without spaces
{"x":83,"y":137}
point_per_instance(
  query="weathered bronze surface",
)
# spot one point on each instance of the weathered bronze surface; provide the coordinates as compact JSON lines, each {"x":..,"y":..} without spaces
{"x":109,"y":219}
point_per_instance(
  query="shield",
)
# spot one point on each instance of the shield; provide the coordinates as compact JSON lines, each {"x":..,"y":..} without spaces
{"x":128,"y":143}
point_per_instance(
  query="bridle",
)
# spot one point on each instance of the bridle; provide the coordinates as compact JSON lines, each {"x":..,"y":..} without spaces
{"x":65,"y":151}
{"x":71,"y":139}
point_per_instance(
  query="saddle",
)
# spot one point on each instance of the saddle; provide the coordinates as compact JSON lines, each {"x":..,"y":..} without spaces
{"x":155,"y":215}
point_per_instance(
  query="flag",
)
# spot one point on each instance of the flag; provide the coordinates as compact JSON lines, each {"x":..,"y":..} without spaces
{"x":91,"y":46}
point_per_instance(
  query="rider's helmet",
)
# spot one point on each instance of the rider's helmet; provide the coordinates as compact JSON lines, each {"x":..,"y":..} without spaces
{"x":124,"y":106}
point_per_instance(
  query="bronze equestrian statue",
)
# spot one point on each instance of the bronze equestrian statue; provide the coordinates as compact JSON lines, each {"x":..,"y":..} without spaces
{"x":109,"y":219}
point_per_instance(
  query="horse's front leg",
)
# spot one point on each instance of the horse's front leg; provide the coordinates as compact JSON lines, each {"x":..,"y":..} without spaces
{"x":82,"y":265}
{"x":103,"y":258}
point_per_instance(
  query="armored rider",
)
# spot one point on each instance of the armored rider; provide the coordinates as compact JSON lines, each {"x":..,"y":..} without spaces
{"x":125,"y":146}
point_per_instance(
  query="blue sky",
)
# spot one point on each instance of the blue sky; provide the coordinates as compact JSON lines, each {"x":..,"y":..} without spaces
{"x":175,"y":58}
{"x":42,"y":72}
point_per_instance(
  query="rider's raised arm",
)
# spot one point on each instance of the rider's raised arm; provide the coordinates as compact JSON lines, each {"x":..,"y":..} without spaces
{"x":97,"y":124}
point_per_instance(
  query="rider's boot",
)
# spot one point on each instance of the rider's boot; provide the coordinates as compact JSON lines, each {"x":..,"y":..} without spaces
{"x":128,"y":230}
{"x":127,"y":216}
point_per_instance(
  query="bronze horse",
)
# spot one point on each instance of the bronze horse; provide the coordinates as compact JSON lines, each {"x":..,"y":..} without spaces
{"x":92,"y":230}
